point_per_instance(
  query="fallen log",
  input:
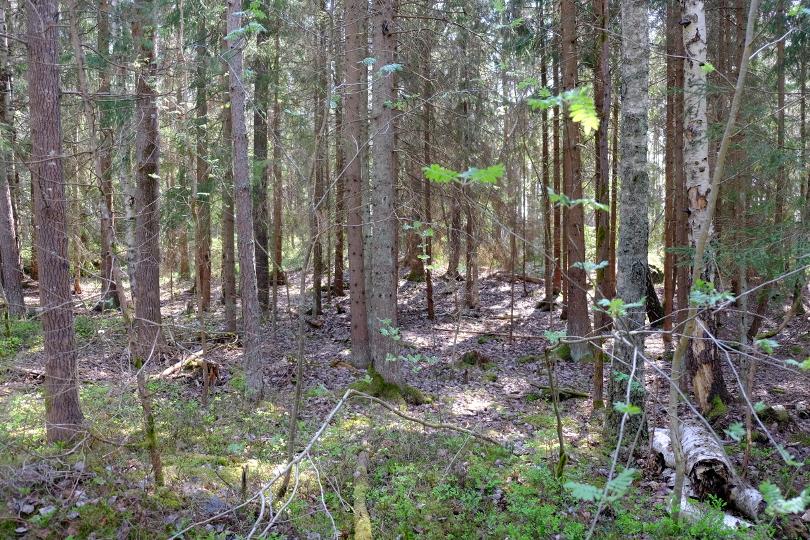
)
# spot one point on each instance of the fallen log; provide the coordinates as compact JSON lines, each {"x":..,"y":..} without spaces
{"x":507,"y":276}
{"x":362,"y":519}
{"x":708,"y":469}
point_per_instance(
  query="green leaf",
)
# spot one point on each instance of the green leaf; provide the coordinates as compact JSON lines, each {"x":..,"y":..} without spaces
{"x":621,"y":483}
{"x":707,"y":67}
{"x":390,"y":68}
{"x":805,"y":366}
{"x":369,"y":60}
{"x":440,"y":175}
{"x":759,"y":407}
{"x":489,"y":175}
{"x":554,"y":337}
{"x":589,"y":266}
{"x":625,"y":408}
{"x":583,"y":492}
{"x":766,"y":345}
{"x":777,"y":504}
{"x":735,"y":431}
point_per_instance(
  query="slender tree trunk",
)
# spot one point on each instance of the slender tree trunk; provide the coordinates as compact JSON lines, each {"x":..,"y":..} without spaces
{"x":63,"y":414}
{"x":261,"y":171}
{"x":555,"y":139}
{"x":631,"y":278}
{"x":604,"y":289}
{"x":147,"y":180}
{"x":702,"y":362}
{"x":278,"y":194}
{"x":9,"y":250}
{"x":251,"y":310}
{"x":426,"y":191}
{"x":384,"y":173}
{"x":454,"y":236}
{"x":228,"y":248}
{"x":321,"y":159}
{"x":340,"y":163}
{"x":579,"y":324}
{"x":354,"y":119}
{"x":202,"y":191}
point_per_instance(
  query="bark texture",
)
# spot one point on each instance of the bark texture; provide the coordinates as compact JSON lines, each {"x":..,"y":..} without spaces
{"x":354,"y":119}
{"x":147,"y":187}
{"x":63,"y":415}
{"x":251,"y":310}
{"x":384,"y":177}
{"x":579,"y":324}
{"x":631,"y":276}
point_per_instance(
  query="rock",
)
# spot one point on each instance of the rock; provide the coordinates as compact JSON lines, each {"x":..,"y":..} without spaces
{"x":214,"y":505}
{"x":806,"y":517}
{"x":802,"y":409}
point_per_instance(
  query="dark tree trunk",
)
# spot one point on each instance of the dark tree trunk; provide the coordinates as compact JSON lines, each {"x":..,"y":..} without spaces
{"x":278,"y":274}
{"x":63,"y":414}
{"x":147,"y":198}
{"x":202,"y":192}
{"x":260,"y":167}
{"x":228,"y":247}
{"x":579,"y":324}
{"x":340,"y":179}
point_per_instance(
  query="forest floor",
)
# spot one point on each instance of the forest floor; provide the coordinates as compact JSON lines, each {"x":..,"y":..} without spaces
{"x":422,"y":483}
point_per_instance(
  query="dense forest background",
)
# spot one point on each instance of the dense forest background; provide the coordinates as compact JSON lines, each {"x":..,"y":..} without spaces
{"x":351,"y":269}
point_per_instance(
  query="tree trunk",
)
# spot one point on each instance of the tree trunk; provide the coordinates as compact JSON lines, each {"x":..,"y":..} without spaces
{"x":702,"y":362}
{"x":147,"y":179}
{"x":631,"y":278}
{"x":579,"y":325}
{"x":454,"y":235}
{"x":251,"y":310}
{"x":426,"y":192}
{"x":340,"y":179}
{"x":278,"y":273}
{"x":604,"y":289}
{"x":354,"y":119}
{"x":203,"y":187}
{"x":320,"y":123}
{"x":63,"y":414}
{"x":384,"y":174}
{"x":555,"y":175}
{"x":261,"y":170}
{"x":9,"y":250}
{"x":228,"y":248}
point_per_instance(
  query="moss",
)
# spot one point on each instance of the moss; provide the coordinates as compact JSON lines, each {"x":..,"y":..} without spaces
{"x":717,"y":409}
{"x":528,"y":359}
{"x":563,"y":351}
{"x":376,"y":386}
{"x":474,"y":358}
{"x":491,"y":377}
{"x":486,"y":338}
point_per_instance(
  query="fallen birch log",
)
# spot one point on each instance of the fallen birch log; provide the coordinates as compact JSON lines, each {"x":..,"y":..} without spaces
{"x":708,"y":469}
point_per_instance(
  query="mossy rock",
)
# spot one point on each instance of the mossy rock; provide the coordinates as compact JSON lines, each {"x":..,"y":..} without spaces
{"x":475,"y":359}
{"x":377,"y":387}
{"x":776,"y":413}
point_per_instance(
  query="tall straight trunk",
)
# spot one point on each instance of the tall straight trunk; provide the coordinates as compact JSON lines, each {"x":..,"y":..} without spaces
{"x":579,"y":324}
{"x":147,"y":195}
{"x":548,"y":244}
{"x":228,"y":271}
{"x":614,"y":192}
{"x":454,"y":236}
{"x":251,"y":310}
{"x":261,"y":170}
{"x":278,"y":274}
{"x":104,"y":150}
{"x":355,"y":117}
{"x":670,"y":208}
{"x":631,"y":277}
{"x":340,"y":163}
{"x":604,"y":289}
{"x":681,"y":226}
{"x":555,"y":164}
{"x":9,"y":250}
{"x":471,"y":293}
{"x":702,"y":362}
{"x":384,"y":174}
{"x":782,"y":187}
{"x":319,"y":124}
{"x":63,"y":414}
{"x":426,"y":190}
{"x":202,"y":191}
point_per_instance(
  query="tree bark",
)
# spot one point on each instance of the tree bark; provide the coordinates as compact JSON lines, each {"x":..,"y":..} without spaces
{"x":631,"y":277}
{"x":63,"y":414}
{"x":9,"y":250}
{"x":278,"y":194}
{"x":384,"y":277}
{"x":702,"y":362}
{"x":340,"y":180}
{"x":228,"y":271}
{"x":202,"y":186}
{"x":353,"y":150}
{"x":579,"y":324}
{"x":147,"y":179}
{"x":320,"y":122}
{"x":261,"y":170}
{"x":251,"y":310}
